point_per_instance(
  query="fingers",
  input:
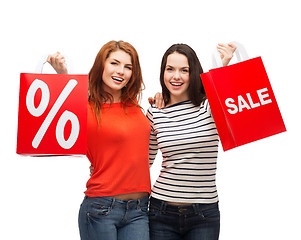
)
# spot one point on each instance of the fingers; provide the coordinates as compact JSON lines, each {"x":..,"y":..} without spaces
{"x":91,"y":170}
{"x":57,"y":61}
{"x":223,"y":48}
{"x":159,"y":102}
{"x":151,"y":100}
{"x":222,"y":45}
{"x":226,"y":50}
{"x":56,"y":58}
{"x":232,"y":46}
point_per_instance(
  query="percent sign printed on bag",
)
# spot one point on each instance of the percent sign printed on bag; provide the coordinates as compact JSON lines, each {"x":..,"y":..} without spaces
{"x":37,"y":112}
{"x":52,"y":114}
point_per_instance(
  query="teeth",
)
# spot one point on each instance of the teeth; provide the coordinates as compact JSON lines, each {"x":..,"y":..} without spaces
{"x":176,"y":84}
{"x":118,"y":79}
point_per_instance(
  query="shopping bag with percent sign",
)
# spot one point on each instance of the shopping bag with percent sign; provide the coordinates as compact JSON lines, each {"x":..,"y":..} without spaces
{"x":52,"y":114}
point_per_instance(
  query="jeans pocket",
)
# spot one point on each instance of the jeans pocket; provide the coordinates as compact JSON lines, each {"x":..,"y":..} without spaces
{"x":144,"y":210}
{"x":98,"y":210}
{"x":211,"y":213}
{"x":153,"y":212}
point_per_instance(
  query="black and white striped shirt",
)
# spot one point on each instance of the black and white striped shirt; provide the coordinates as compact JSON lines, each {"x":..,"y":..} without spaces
{"x":187,"y":137}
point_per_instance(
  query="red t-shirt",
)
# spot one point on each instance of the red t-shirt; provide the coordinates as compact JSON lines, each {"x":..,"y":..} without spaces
{"x":118,"y":150}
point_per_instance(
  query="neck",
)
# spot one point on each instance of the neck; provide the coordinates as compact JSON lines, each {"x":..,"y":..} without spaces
{"x":115,"y":97}
{"x":114,"y":100}
{"x":174,"y":100}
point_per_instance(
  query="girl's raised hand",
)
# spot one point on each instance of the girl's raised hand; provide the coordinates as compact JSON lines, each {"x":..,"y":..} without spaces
{"x":57,"y":61}
{"x":157,"y":100}
{"x":226,"y":50}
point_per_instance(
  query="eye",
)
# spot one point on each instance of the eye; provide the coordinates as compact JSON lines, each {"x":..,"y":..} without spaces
{"x":114,"y":63}
{"x":128,"y":67}
{"x":169,"y":69}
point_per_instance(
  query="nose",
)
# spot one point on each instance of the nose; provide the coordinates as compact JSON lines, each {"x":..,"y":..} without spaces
{"x":120,"y":70}
{"x":176,"y":75}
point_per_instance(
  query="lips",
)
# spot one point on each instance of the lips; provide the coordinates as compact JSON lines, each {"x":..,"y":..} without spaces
{"x":118,"y":79}
{"x":176,"y":84}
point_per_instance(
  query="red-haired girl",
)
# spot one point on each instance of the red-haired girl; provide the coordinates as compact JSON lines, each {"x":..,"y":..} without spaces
{"x":116,"y":200}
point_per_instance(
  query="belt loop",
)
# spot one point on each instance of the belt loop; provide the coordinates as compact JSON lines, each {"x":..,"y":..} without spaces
{"x":163,"y":207}
{"x":138,"y":204}
{"x":196,"y":208}
{"x":112,"y":203}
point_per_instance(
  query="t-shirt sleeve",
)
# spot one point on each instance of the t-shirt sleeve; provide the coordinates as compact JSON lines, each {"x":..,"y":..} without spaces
{"x":207,"y":107}
{"x":153,"y":144}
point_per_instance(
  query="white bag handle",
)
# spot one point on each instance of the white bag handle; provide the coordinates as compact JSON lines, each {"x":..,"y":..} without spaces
{"x":240,"y":52}
{"x":43,"y":60}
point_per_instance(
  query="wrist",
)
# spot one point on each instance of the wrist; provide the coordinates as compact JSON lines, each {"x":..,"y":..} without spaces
{"x":226,"y":62}
{"x":62,"y":72}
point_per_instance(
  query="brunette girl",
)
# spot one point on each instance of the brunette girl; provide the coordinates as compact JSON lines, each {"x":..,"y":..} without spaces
{"x":184,"y":199}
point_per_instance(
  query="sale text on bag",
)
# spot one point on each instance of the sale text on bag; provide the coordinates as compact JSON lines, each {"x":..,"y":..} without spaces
{"x":248,"y":102}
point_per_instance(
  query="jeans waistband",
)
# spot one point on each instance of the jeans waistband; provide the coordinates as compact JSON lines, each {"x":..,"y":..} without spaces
{"x":114,"y":201}
{"x":180,"y":209}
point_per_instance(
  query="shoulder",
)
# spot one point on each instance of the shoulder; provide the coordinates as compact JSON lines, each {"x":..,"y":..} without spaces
{"x":154,"y":113}
{"x":206,"y":106}
{"x":150,"y":110}
{"x":90,"y":108}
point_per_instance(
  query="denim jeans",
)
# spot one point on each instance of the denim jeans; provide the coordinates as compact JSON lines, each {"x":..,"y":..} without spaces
{"x":113,"y":219}
{"x":190,"y":222}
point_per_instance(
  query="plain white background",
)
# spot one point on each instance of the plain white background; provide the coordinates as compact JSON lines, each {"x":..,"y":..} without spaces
{"x":258,"y":184}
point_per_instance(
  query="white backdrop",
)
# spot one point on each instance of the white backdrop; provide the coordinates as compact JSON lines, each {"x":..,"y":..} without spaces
{"x":258,"y":184}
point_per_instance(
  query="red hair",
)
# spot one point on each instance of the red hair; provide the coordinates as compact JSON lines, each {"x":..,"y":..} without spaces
{"x":130,"y":93}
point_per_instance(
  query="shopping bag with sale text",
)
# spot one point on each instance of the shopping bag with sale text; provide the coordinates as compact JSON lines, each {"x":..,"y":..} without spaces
{"x":242,"y":101}
{"x":52,"y":114}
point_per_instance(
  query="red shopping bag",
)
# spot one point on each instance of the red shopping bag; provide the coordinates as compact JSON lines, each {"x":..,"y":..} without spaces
{"x":242,"y":102}
{"x":52,"y":114}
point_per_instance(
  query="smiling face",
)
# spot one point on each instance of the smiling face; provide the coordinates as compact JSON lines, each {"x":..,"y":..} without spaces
{"x":117,"y":73}
{"x":176,"y":77}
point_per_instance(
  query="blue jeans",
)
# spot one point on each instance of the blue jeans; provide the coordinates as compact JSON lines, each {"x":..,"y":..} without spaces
{"x":190,"y":222}
{"x":111,"y":219}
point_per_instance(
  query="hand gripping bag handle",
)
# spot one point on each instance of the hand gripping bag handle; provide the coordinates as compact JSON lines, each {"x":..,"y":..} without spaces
{"x":240,"y":52}
{"x":43,"y":61}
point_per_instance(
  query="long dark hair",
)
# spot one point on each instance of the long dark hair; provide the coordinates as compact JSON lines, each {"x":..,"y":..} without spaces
{"x":196,"y":90}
